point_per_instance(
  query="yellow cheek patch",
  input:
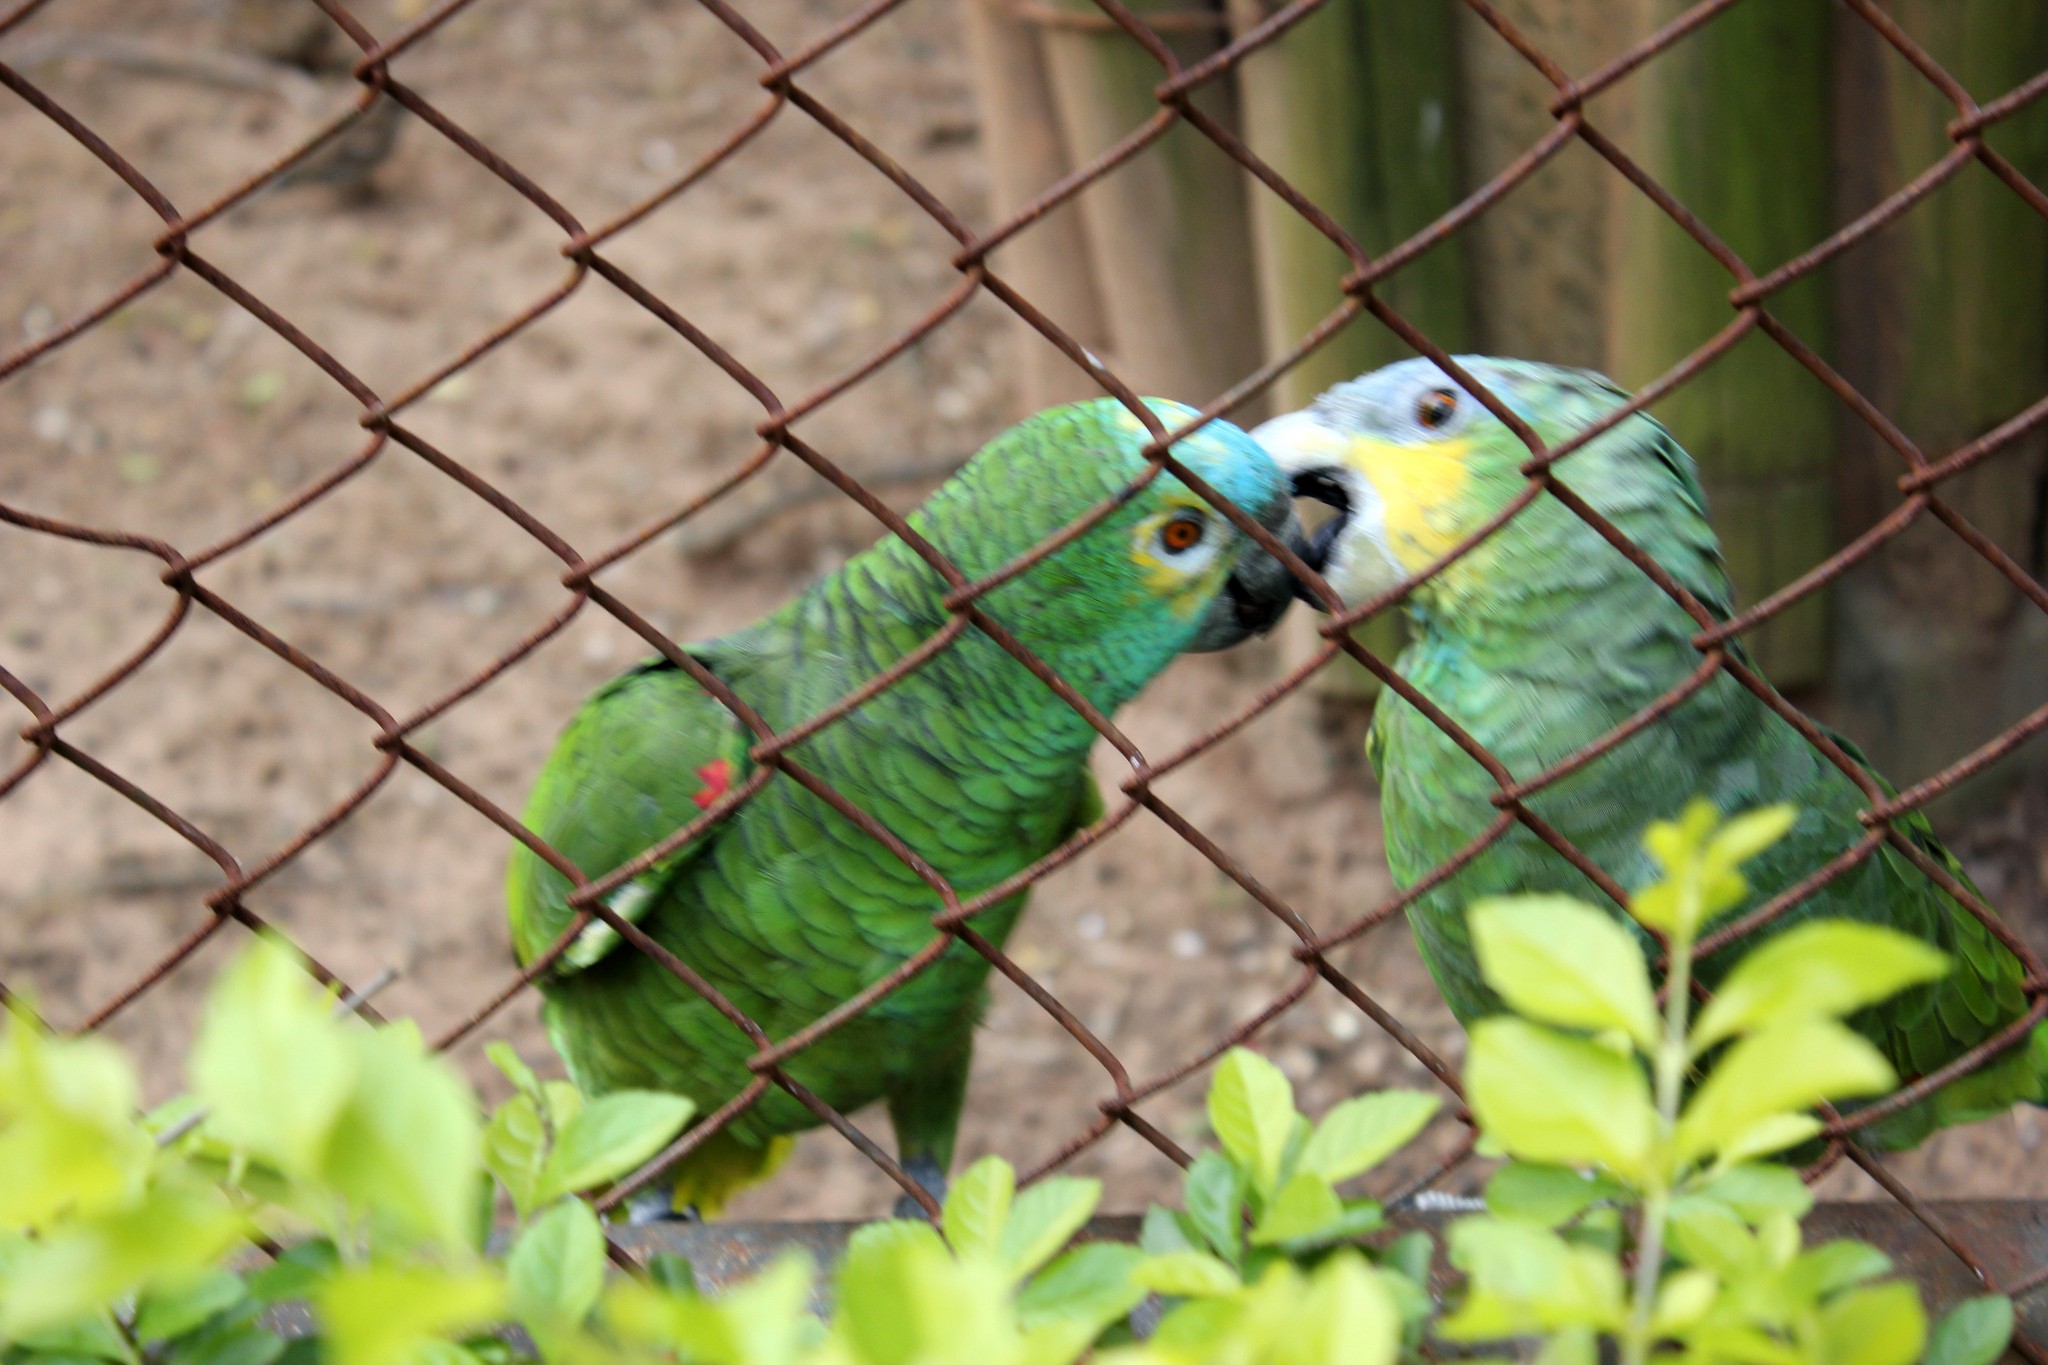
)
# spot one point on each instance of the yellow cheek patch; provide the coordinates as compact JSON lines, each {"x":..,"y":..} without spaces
{"x":1187,"y":594}
{"x":1422,"y":489}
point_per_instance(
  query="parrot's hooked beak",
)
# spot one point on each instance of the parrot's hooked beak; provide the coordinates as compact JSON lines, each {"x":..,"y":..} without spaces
{"x":1331,"y":467}
{"x":1259,"y":590}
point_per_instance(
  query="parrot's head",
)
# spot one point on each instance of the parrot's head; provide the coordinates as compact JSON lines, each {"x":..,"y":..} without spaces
{"x":1163,"y":574}
{"x":1412,"y":465}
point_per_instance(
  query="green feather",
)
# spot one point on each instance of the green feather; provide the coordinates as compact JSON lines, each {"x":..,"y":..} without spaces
{"x":1547,"y":638}
{"x":787,"y":907}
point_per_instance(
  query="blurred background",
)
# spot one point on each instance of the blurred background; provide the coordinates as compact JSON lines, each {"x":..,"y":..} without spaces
{"x":183,"y":418}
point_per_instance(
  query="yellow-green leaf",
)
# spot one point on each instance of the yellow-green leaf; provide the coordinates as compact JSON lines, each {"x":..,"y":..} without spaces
{"x":1304,"y":1206}
{"x":1043,"y":1217}
{"x":978,"y":1205}
{"x":382,"y":1314}
{"x":1879,"y":1325}
{"x":556,"y":1269}
{"x":1559,"y":961}
{"x":1360,"y":1133}
{"x":1251,"y":1107}
{"x":1781,"y":1070}
{"x":1547,"y":1097}
{"x":608,"y":1137}
{"x":1186,"y":1274}
{"x":1825,"y":967}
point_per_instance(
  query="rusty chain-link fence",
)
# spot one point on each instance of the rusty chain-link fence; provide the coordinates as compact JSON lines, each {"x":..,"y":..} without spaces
{"x":181,"y":247}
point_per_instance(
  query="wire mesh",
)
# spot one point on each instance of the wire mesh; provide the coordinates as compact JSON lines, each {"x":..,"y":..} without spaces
{"x":180,"y":249}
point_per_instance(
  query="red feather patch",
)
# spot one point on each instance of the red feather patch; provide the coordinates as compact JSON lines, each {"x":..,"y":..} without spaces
{"x":717,"y":779}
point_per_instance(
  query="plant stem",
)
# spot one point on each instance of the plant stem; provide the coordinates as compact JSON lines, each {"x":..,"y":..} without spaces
{"x":1668,"y":1068}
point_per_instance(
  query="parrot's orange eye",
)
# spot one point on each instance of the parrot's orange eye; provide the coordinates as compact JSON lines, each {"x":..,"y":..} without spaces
{"x":1436,"y":408}
{"x":1181,"y":534}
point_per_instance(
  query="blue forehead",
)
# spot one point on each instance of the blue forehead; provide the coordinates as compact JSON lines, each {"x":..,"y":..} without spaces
{"x":1229,"y":459}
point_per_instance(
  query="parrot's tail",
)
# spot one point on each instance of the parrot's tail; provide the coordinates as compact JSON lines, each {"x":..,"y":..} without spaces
{"x":710,"y":1176}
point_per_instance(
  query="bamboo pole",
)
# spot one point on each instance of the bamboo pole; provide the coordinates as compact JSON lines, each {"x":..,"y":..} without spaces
{"x":1540,"y":263}
{"x":1166,"y":232}
{"x":1354,"y":107}
{"x":1049,"y":261}
{"x":1734,"y":122}
{"x":1944,"y":327}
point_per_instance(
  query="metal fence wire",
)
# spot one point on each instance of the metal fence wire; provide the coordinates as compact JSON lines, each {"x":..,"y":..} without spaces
{"x":181,"y":247}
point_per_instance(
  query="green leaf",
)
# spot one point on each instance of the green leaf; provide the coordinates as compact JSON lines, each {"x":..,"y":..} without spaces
{"x":173,"y":1232}
{"x":1569,"y":1346}
{"x":1349,"y":1314}
{"x":1975,"y":1332}
{"x":405,"y":1145}
{"x":1163,"y":1232}
{"x":1559,"y":961}
{"x":175,"y":1309}
{"x":1682,"y":1300}
{"x":1751,"y":832}
{"x":1251,"y":1107}
{"x":273,"y":1068}
{"x":1213,"y":1190}
{"x":515,"y":1149}
{"x":1550,"y":1098}
{"x":229,"y":1341}
{"x":978,"y":1205}
{"x":1524,"y":1278}
{"x":1355,"y":1220}
{"x":1304,"y":1206}
{"x":556,"y":1269}
{"x":93,"y":1337}
{"x":295,"y":1272}
{"x":1755,"y":1192}
{"x":1882,"y":1324}
{"x":1360,"y":1133}
{"x":1768,"y":1136}
{"x":1707,"y":1233}
{"x":384,"y":1314}
{"x":1814,"y":970}
{"x":1787,"y":1068}
{"x":1544,"y":1195}
{"x":515,"y":1070}
{"x":1815,"y":1274}
{"x":68,"y":1139}
{"x":610,"y":1136}
{"x":1186,"y":1275}
{"x":1042,"y":1219}
{"x":1091,"y":1284}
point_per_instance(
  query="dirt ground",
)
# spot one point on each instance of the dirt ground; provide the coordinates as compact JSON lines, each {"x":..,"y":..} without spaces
{"x":182,"y":418}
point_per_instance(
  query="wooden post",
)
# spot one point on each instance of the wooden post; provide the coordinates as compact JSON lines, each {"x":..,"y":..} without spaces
{"x":1355,"y":107}
{"x":1048,"y":262}
{"x":1540,"y":262}
{"x":1166,"y":232}
{"x":1733,"y":120}
{"x":1944,"y":327}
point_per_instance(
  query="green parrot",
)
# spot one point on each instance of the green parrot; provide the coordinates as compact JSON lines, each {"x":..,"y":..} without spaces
{"x":1544,"y":638}
{"x":786,"y":906}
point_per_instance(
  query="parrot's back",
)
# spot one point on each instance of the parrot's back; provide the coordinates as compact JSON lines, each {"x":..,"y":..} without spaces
{"x":787,"y":907}
{"x":1572,"y":669}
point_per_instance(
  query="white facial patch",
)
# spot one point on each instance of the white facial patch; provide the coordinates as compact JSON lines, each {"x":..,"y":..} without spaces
{"x":1360,"y":566}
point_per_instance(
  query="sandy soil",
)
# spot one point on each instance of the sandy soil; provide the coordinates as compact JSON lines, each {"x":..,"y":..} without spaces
{"x":182,"y":418}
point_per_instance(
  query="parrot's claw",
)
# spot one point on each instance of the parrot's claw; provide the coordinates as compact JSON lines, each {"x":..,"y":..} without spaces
{"x":657,"y":1205}
{"x":927,"y":1173}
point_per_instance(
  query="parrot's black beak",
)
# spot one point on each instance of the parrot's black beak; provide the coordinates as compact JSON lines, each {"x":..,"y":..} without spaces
{"x":1321,"y":485}
{"x":1259,"y":590}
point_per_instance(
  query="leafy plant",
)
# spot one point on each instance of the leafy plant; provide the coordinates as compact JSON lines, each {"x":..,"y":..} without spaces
{"x":1637,"y":1205}
{"x":1607,"y":1102}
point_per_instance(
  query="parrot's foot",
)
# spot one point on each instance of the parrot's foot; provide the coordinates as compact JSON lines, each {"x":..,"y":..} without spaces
{"x":927,"y":1173}
{"x":657,"y":1205}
